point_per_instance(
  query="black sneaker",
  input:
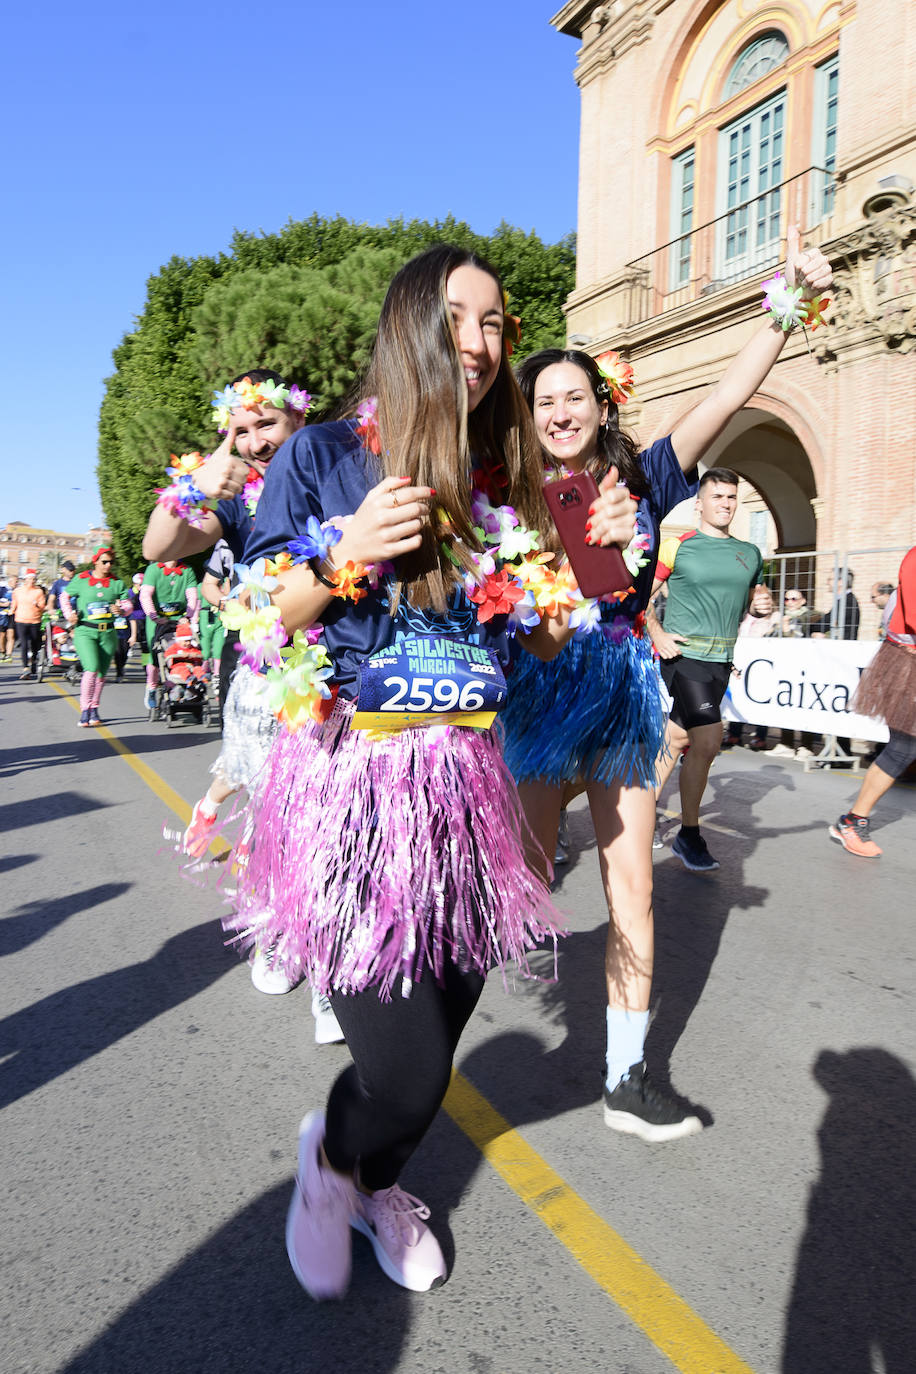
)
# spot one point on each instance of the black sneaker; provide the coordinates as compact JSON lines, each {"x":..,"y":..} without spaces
{"x":693,"y":854}
{"x":561,"y":855}
{"x":638,"y":1107}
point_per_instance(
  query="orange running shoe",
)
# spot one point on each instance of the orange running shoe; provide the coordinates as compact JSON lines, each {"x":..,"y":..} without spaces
{"x":853,"y":833}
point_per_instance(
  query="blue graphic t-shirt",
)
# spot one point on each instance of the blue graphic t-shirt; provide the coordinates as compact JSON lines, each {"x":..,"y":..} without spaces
{"x":324,"y":471}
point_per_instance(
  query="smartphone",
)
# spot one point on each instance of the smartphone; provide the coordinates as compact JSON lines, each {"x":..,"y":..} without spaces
{"x":599,"y":571}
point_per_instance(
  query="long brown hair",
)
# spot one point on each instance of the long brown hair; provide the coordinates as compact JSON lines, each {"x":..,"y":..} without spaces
{"x":427,"y":434}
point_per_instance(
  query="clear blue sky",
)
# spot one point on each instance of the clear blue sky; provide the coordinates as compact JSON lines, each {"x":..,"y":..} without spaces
{"x":133,"y":134}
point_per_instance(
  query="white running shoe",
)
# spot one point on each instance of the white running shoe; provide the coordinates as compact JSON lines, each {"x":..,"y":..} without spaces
{"x":327,"y":1026}
{"x":269,"y":976}
{"x":781,"y":751}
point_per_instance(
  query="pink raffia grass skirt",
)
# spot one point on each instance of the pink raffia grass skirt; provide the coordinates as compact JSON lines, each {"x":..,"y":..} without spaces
{"x":378,"y":858}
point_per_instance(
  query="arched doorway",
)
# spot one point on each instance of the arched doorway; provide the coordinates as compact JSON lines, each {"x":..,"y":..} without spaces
{"x":766,"y":451}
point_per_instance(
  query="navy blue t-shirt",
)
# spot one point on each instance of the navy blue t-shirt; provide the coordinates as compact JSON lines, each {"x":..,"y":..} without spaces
{"x":237,"y":524}
{"x":324,"y":471}
{"x":668,"y":487}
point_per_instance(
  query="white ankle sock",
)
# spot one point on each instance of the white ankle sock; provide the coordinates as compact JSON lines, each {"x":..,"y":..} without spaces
{"x":626,"y":1037}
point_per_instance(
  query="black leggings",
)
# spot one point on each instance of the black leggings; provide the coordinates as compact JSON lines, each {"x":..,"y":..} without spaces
{"x":381,"y":1107}
{"x":29,"y":642}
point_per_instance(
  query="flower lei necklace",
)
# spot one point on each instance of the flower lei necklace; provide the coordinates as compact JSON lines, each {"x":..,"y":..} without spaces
{"x":184,"y":498}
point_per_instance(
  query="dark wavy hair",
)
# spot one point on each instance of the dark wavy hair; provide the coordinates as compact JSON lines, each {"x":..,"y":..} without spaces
{"x":425,"y":428}
{"x":615,"y":447}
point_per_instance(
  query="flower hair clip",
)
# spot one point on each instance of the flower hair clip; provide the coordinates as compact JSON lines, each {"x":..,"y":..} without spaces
{"x":249,"y":395}
{"x":512,"y":327}
{"x":617,"y":376}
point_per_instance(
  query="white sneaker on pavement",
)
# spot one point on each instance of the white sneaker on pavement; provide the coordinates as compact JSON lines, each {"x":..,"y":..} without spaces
{"x":269,"y":976}
{"x":327,"y":1026}
{"x":781,"y":751}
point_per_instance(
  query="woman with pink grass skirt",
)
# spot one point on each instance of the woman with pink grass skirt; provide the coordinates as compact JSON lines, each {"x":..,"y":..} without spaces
{"x":387,"y":829}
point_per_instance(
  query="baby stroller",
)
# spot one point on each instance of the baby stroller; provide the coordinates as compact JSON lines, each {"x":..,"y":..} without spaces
{"x":182,"y":676}
{"x":56,"y":653}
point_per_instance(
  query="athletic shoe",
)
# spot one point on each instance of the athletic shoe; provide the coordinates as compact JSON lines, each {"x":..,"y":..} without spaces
{"x":561,"y":856}
{"x":327,"y":1026}
{"x":318,"y":1238}
{"x":404,"y":1246}
{"x":657,"y":841}
{"x":94,"y":716}
{"x":782,"y":751}
{"x":84,"y":718}
{"x":694,"y":854}
{"x":637,"y":1107}
{"x":758,"y":745}
{"x":855,"y":835}
{"x":197,"y":837}
{"x":269,"y":976}
{"x":149,"y":698}
{"x":24,"y":677}
{"x":804,"y":753}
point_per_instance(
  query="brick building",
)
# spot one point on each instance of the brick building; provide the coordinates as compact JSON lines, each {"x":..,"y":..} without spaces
{"x":706,"y":127}
{"x":24,"y":546}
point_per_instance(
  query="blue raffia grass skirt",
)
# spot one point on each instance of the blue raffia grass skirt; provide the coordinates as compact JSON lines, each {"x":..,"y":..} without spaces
{"x":593,"y":712}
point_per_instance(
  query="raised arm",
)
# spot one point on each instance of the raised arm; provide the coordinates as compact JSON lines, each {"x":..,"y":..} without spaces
{"x":693,"y":435}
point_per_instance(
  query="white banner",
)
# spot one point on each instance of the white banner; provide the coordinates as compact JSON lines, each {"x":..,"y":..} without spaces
{"x":801,"y":684}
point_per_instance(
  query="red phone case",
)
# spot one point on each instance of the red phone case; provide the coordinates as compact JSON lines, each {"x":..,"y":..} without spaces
{"x":599,"y":571}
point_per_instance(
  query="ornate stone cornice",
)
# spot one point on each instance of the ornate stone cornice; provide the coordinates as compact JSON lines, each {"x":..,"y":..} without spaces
{"x":874,"y":285}
{"x":608,"y":31}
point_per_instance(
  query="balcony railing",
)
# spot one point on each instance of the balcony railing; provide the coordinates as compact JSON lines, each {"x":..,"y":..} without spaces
{"x":744,"y":242}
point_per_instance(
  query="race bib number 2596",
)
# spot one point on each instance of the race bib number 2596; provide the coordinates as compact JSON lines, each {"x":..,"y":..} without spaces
{"x":429,"y":680}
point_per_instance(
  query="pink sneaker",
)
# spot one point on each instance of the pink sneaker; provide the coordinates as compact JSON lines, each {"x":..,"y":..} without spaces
{"x":197,"y":837}
{"x":318,"y":1220}
{"x":406,"y":1249}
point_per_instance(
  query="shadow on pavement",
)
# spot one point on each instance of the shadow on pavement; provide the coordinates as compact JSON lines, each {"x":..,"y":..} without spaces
{"x":54,"y":806}
{"x":233,"y":1306}
{"x":11,"y":861}
{"x":50,"y":1037}
{"x":32,"y":920}
{"x":851,"y":1307}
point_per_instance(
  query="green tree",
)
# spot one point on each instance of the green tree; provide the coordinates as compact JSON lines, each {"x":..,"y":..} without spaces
{"x":304,"y":301}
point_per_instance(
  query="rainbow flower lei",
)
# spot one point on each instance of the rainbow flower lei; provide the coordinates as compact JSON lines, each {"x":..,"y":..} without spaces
{"x":249,"y":395}
{"x":183,"y":497}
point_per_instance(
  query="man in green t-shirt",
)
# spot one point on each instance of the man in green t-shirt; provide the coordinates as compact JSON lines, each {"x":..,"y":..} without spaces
{"x":711,"y":577}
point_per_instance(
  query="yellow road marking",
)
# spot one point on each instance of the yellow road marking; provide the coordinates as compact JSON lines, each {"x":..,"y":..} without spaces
{"x":620,"y":1272}
{"x":626,"y":1278}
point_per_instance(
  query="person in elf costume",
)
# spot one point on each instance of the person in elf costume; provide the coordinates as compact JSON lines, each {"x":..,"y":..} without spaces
{"x":91,"y":601}
{"x":169,"y":591}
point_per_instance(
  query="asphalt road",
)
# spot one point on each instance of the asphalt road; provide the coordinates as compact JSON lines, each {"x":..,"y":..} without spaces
{"x":150,"y":1102}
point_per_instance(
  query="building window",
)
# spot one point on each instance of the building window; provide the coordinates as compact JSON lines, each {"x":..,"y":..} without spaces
{"x":751,"y":162}
{"x":766,"y":52}
{"x":682,"y":182}
{"x":823,"y":150}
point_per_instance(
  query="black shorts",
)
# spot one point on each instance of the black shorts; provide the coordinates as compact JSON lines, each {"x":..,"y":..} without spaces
{"x":696,"y":688}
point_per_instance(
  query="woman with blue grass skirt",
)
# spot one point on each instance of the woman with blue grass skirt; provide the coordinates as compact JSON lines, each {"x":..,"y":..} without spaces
{"x":592,"y":717}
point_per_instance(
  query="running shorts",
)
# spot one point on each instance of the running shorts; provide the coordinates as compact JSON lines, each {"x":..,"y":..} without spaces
{"x":697,"y":688}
